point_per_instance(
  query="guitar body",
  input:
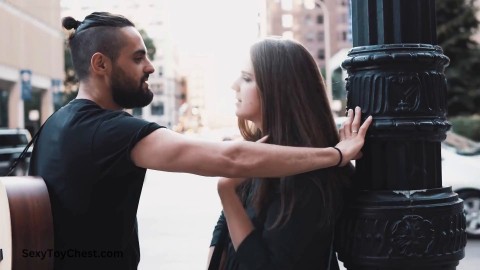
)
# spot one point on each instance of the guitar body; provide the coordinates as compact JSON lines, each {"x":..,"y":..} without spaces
{"x":26,"y":226}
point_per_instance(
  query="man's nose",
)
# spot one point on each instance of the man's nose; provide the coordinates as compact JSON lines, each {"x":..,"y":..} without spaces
{"x":149,"y":68}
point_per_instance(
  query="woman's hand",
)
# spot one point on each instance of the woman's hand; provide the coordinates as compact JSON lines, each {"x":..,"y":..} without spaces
{"x":238,"y":222}
{"x":231,"y":184}
{"x":352,"y":136}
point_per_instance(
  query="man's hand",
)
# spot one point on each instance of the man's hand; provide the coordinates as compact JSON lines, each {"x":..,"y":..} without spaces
{"x":352,"y":136}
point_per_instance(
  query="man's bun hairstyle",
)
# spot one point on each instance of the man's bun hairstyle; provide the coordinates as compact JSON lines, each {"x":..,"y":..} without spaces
{"x":98,"y":32}
{"x":70,"y":23}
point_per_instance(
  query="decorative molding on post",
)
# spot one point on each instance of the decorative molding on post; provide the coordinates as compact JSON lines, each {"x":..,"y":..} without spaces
{"x":399,"y":216}
{"x":423,"y":229}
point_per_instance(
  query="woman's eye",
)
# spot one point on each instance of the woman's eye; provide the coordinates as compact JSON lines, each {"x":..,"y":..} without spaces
{"x":247,"y":79}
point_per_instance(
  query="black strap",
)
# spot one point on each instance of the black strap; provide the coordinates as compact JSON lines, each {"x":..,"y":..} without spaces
{"x":24,"y":152}
{"x":218,"y":251}
{"x":331,"y":253}
{"x":22,"y":155}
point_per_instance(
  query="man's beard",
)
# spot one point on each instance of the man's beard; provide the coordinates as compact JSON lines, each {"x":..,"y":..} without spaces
{"x":127,"y":93}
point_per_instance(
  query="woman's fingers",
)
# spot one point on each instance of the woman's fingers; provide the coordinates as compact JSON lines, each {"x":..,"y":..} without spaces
{"x":362,"y":131}
{"x":352,"y":127}
{"x":356,"y":120}
{"x":347,"y":125}
{"x":341,"y":132}
{"x":263,"y":139}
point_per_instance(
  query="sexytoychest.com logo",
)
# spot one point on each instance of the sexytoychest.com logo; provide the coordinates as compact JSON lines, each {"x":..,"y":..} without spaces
{"x":71,"y":253}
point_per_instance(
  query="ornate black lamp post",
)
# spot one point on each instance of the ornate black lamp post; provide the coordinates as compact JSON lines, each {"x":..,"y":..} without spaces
{"x":399,"y":215}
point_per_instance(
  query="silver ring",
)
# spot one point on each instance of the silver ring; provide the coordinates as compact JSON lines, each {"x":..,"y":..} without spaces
{"x":354,"y":131}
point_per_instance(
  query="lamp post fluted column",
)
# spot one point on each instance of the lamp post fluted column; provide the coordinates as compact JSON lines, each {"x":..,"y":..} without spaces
{"x":399,"y":215}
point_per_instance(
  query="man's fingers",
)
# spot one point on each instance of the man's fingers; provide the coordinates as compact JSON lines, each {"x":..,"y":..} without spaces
{"x":363,"y":129}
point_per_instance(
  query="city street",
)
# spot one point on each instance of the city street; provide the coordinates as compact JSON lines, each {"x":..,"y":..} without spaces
{"x":176,"y":217}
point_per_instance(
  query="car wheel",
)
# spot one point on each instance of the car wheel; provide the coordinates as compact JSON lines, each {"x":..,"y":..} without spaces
{"x":471,"y":205}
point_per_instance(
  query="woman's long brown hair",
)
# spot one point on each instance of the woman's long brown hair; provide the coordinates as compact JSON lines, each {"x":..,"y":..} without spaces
{"x":295,"y":112}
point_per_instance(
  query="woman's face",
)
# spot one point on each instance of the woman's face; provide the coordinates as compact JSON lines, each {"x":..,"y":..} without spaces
{"x":247,"y":95}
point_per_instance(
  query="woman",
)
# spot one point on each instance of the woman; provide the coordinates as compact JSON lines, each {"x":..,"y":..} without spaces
{"x":284,"y":223}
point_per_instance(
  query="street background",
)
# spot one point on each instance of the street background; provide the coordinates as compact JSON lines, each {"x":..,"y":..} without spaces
{"x":176,"y":216}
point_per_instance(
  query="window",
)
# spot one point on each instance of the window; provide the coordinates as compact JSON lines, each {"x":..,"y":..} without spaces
{"x":310,"y":36}
{"x":321,"y":54}
{"x":160,"y":71}
{"x":320,"y":19}
{"x":4,"y":108}
{"x":287,"y":4}
{"x":309,"y":4}
{"x":137,"y":112}
{"x":308,"y":20}
{"x":287,"y":35}
{"x":287,"y":20}
{"x":320,"y":36}
{"x":157,"y":88}
{"x":13,"y":140}
{"x":158,"y":109}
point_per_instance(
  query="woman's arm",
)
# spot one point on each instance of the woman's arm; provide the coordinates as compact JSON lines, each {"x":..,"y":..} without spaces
{"x":238,"y":222}
{"x":277,"y":248}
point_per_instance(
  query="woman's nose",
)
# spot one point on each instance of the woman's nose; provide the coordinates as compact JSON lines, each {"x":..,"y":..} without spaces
{"x":235,"y":85}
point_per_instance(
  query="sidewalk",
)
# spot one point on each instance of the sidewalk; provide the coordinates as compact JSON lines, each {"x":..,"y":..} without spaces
{"x":176,"y":217}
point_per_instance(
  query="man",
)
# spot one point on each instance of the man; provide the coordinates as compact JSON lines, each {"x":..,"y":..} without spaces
{"x":93,"y":156}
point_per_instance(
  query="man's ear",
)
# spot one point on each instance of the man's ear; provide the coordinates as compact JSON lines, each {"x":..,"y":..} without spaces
{"x":100,"y":64}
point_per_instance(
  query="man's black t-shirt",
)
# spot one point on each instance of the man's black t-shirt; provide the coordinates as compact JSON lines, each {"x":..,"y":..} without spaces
{"x":83,"y":154}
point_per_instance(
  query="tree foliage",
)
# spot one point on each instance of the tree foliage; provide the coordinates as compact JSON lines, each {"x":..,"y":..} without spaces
{"x":456,"y":23}
{"x":151,"y":49}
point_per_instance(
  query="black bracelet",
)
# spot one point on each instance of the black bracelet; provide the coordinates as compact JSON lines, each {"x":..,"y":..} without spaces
{"x":341,"y":156}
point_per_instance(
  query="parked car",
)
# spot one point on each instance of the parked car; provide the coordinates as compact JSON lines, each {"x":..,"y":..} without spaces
{"x":12,"y":143}
{"x":461,"y":171}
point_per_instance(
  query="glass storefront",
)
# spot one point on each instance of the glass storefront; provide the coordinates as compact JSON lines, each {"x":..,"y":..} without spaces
{"x":4,"y":94}
{"x":32,"y":111}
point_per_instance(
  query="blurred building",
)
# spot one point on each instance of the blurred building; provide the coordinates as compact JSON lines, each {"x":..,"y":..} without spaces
{"x":319,"y":25}
{"x":31,"y":61}
{"x":153,"y":17}
{"x":322,"y":26}
{"x":199,"y":75}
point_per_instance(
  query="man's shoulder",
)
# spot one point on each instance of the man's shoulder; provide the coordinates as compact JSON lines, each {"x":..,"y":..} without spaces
{"x":87,"y":112}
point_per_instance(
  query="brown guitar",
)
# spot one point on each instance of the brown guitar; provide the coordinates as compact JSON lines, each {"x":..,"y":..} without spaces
{"x":26,"y":227}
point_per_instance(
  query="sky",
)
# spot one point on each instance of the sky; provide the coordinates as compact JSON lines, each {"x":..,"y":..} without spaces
{"x":220,"y":29}
{"x":197,"y":25}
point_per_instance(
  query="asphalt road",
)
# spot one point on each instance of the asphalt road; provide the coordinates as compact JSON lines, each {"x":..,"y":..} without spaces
{"x":176,"y":216}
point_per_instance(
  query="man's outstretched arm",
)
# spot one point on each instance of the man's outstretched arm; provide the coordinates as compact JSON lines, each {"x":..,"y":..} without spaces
{"x":166,"y":150}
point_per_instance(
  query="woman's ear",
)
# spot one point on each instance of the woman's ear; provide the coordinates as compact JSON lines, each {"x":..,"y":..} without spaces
{"x":100,"y":64}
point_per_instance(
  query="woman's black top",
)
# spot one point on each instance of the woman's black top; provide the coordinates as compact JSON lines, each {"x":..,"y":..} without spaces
{"x":300,"y":244}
